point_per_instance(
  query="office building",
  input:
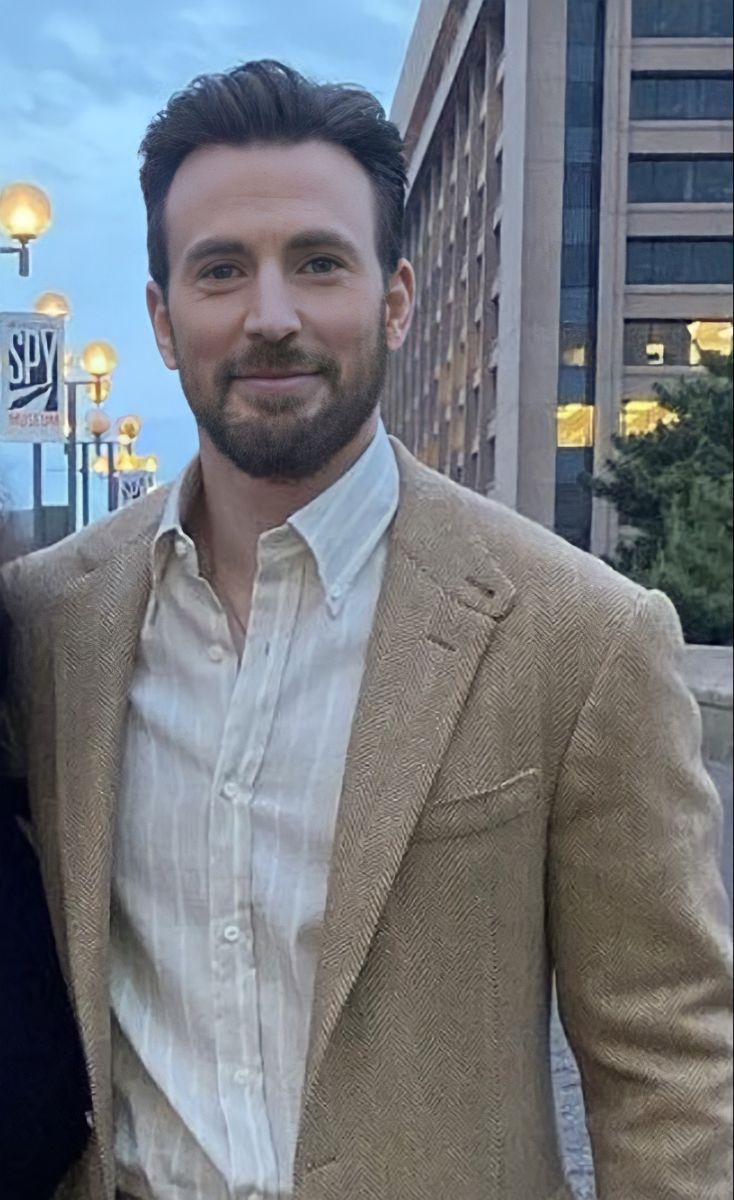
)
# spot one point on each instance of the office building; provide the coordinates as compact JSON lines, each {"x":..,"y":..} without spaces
{"x":570,"y":220}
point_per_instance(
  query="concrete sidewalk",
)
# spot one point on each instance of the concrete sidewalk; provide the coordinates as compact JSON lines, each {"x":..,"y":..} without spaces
{"x":708,"y":672}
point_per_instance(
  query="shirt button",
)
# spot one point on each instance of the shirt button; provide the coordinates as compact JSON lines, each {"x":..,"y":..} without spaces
{"x":180,"y":547}
{"x":216,"y":653}
{"x":232,"y":933}
{"x":336,"y":592}
{"x":230,"y":790}
{"x":242,"y":1077}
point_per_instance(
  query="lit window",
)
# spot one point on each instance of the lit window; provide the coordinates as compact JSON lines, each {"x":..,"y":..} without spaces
{"x":710,"y":337}
{"x":643,"y":414}
{"x":575,"y":425}
{"x":574,"y":356}
{"x":655,"y":353}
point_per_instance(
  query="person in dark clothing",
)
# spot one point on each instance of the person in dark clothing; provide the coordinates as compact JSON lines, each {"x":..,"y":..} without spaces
{"x":44,"y":1095}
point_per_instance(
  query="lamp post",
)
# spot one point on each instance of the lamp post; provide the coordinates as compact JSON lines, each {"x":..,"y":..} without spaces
{"x":98,"y":424}
{"x":128,"y":474}
{"x":25,"y":214}
{"x":99,"y":360}
{"x":49,"y":304}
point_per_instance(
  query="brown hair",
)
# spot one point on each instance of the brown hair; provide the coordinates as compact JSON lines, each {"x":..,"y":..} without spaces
{"x":261,"y":102}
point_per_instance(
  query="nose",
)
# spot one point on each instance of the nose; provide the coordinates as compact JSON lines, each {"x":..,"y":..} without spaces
{"x":272,"y":315}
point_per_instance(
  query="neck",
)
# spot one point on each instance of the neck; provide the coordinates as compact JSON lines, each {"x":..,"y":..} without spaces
{"x":237,"y":508}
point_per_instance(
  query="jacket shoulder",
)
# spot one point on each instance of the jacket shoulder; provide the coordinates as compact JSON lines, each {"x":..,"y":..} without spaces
{"x":42,"y":575}
{"x":537,"y":562}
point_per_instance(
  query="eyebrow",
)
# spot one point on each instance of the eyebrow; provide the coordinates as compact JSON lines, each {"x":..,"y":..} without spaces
{"x":310,"y":239}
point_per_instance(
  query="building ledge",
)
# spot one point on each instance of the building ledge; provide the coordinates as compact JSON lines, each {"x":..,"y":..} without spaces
{"x":678,"y":289}
{"x":685,"y":206}
{"x":684,"y":302}
{"x":681,"y":54}
{"x":640,"y":381}
{"x":680,"y":137}
{"x":688,"y":219}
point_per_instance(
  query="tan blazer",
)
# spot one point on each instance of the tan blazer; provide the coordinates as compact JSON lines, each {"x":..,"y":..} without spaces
{"x":524,"y":792}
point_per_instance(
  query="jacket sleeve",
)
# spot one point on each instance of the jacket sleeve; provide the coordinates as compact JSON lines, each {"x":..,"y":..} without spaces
{"x":639,"y":924}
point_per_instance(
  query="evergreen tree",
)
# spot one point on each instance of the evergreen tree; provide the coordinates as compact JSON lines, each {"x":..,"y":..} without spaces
{"x":672,"y":489}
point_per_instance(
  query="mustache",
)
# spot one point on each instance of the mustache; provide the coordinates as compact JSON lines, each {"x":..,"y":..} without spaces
{"x":273,"y":358}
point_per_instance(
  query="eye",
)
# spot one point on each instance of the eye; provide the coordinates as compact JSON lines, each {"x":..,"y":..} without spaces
{"x":322,"y":266}
{"x":221,"y":272}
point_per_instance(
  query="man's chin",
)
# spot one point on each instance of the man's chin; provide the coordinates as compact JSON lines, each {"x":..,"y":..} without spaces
{"x":282,"y":448}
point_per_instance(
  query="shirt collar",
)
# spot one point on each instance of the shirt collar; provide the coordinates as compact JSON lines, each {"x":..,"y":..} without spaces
{"x":341,"y":527}
{"x":170,"y":531}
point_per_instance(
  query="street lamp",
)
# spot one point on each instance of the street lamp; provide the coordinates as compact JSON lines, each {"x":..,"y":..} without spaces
{"x":25,"y":214}
{"x":53,"y":304}
{"x":133,"y":474}
{"x":99,"y":360}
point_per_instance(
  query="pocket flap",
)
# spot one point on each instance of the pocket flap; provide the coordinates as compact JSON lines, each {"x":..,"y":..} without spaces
{"x":462,"y":815}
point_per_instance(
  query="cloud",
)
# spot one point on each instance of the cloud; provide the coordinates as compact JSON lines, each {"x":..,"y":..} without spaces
{"x":398,"y":14}
{"x":214,"y":17}
{"x":76,"y":34}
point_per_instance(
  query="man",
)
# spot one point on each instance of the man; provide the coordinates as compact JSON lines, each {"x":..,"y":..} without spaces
{"x":334,"y":763}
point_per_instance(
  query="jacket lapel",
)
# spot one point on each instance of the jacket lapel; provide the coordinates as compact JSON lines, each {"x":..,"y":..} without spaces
{"x":440,"y":604}
{"x":96,"y":633}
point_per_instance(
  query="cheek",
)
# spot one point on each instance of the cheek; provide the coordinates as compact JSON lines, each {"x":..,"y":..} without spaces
{"x":349,"y":332}
{"x":208,"y":330}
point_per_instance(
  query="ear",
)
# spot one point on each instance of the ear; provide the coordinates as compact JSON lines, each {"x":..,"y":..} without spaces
{"x":161,"y":322}
{"x":399,"y":304}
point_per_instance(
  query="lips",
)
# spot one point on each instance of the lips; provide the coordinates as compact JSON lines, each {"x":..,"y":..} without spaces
{"x":278,"y":383}
{"x":265,"y":374}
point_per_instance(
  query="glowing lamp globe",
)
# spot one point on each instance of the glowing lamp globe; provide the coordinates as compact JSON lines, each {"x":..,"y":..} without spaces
{"x":25,"y":211}
{"x":53,"y":304}
{"x":129,"y":428}
{"x":99,"y":358}
{"x":97,"y":422}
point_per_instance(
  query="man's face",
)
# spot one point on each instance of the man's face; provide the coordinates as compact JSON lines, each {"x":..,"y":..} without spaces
{"x":277,"y":315}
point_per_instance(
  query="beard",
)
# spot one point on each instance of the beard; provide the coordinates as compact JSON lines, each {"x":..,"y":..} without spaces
{"x":276,"y":437}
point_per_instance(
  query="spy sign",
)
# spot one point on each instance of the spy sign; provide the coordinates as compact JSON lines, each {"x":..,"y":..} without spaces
{"x":31,"y":377}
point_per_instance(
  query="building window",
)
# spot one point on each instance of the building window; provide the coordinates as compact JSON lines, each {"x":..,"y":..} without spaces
{"x":679,"y":97}
{"x":682,"y":18}
{"x":575,"y":349}
{"x":679,"y":260}
{"x":643,"y":414}
{"x":674,"y":343}
{"x":575,"y":425}
{"x":574,"y":464}
{"x":681,"y":180}
{"x":710,"y":337}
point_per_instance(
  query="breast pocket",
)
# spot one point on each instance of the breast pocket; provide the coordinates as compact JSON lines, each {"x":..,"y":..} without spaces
{"x":462,"y":816}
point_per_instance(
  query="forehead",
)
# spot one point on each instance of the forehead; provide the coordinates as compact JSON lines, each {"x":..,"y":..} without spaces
{"x":266,"y":193}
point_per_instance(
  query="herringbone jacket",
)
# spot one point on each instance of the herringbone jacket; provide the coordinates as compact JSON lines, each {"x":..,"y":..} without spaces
{"x":523,"y":794}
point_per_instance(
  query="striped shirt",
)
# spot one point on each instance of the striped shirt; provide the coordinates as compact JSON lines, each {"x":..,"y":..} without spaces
{"x":231,"y":779}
